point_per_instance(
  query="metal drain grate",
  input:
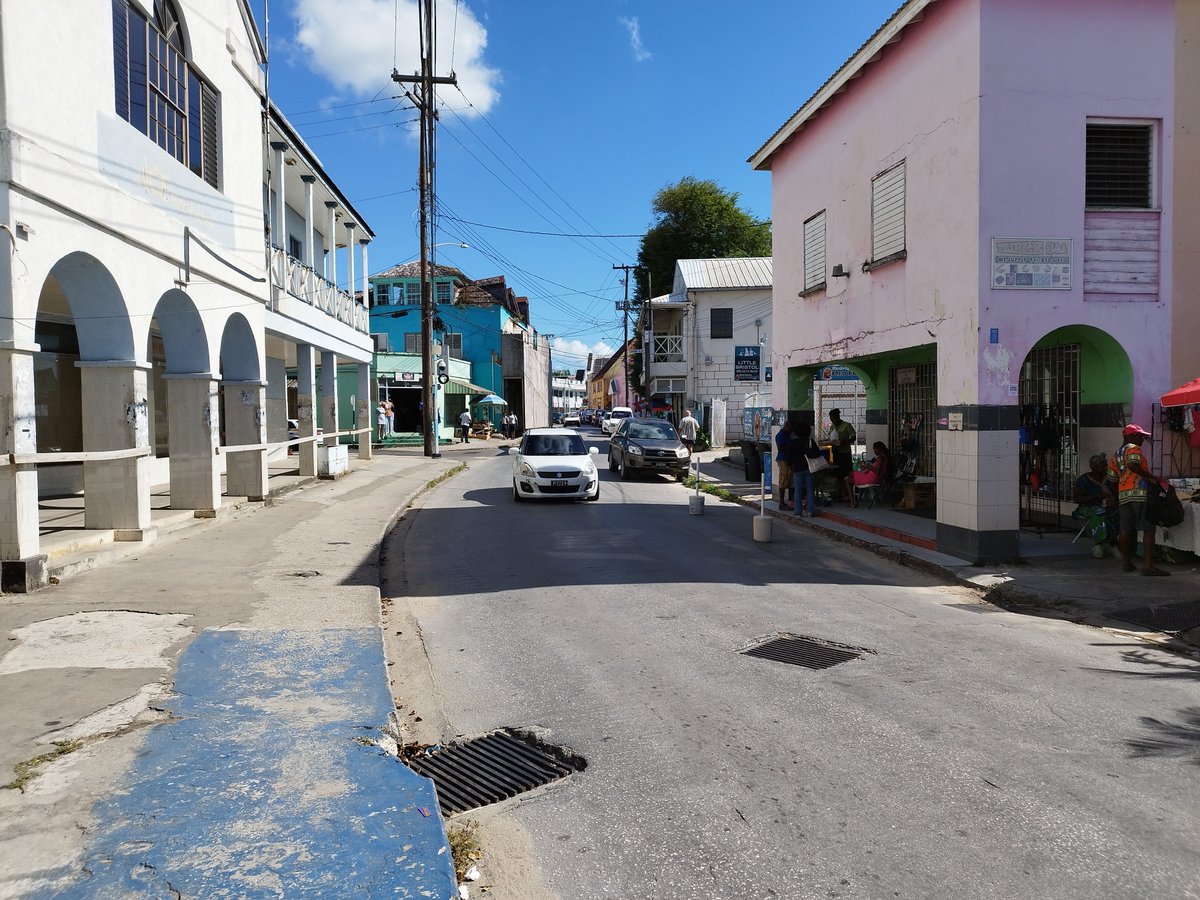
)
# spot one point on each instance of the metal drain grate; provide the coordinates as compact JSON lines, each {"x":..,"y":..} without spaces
{"x":495,"y":767}
{"x":1171,"y":617}
{"x":803,"y":652}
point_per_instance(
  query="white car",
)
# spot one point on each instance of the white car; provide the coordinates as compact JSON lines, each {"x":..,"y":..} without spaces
{"x":614,"y":419}
{"x":551,"y":462}
{"x":571,"y":420}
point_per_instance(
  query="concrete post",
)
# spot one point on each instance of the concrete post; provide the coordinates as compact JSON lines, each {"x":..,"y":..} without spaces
{"x":309,"y":249}
{"x":246,"y":423}
{"x":192,"y":440}
{"x":22,"y":566}
{"x":350,"y":257}
{"x":366,"y":293}
{"x":331,"y":260}
{"x":329,"y":397}
{"x":366,"y":411}
{"x":306,"y":413}
{"x":279,"y":223}
{"x":116,"y":492}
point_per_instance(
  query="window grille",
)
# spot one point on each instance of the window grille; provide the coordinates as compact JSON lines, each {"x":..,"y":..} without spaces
{"x":887,"y":213}
{"x":1048,"y":394}
{"x":720,"y":322}
{"x":912,"y":418}
{"x":160,"y":93}
{"x":814,"y":252}
{"x":1120,"y":169}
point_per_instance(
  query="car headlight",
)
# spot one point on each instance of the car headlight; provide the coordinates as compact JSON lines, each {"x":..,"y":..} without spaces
{"x":526,"y":470}
{"x":589,"y":470}
{"x":681,"y":452}
{"x":634,"y":450}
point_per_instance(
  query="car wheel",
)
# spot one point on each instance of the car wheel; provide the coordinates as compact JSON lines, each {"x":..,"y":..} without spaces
{"x":625,"y":473}
{"x":517,"y":498}
{"x":612,"y":463}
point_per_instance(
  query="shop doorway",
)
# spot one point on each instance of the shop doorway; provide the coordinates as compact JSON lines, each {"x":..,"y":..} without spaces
{"x":912,"y":418}
{"x":1048,"y":394}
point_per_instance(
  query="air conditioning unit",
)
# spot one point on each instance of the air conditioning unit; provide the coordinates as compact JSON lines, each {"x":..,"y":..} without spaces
{"x":383,"y":343}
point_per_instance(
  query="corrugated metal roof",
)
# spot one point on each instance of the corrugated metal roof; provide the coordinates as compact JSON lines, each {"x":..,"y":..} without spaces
{"x":722,"y":274}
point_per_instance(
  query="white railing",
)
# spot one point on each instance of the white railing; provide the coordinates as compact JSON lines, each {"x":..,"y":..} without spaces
{"x":309,"y":287}
{"x":668,"y":348}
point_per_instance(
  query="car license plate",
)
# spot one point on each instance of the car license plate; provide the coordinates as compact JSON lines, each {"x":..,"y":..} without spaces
{"x":558,"y":482}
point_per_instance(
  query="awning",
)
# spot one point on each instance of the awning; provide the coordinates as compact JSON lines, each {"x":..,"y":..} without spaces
{"x":1186,"y":395}
{"x":462,"y":386}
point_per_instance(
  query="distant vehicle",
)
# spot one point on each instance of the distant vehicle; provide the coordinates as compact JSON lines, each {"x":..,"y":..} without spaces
{"x":556,"y":418}
{"x":585,"y":415}
{"x":647,"y":445}
{"x":614,"y":418}
{"x":571,"y":420}
{"x":552,"y":463}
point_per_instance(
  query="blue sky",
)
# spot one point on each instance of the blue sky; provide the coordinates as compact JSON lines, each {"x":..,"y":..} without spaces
{"x":572,"y":114}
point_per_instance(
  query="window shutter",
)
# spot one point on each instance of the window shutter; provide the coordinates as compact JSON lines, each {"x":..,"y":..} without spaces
{"x":887,"y":213}
{"x":208,"y":132}
{"x":814,"y":252}
{"x":121,"y":56}
{"x":1119,"y":166}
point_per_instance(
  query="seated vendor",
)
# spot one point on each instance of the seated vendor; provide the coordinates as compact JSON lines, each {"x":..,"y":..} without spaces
{"x":877,"y":471}
{"x":1097,"y":504}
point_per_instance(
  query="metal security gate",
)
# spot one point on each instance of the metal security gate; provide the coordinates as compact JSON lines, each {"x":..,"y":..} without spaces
{"x":1048,"y":395}
{"x":912,"y":418}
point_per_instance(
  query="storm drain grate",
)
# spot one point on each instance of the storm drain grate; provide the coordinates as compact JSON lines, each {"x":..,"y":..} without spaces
{"x":803,"y":652}
{"x":1172,"y":617}
{"x":477,"y":772}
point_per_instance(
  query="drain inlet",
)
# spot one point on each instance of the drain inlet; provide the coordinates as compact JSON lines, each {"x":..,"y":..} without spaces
{"x":806,"y":652}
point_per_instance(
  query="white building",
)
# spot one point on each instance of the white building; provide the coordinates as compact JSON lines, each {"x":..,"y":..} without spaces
{"x":568,"y":393}
{"x":145,"y":326}
{"x":709,"y":339}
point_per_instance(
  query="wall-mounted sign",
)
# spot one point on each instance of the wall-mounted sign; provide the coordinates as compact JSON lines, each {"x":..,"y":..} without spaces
{"x":906,"y":375}
{"x":837,"y":373}
{"x":1031,"y":264}
{"x":746,"y":363}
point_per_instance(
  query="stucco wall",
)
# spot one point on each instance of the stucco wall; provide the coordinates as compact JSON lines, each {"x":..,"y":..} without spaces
{"x":1185,"y":308}
{"x":919,"y":103}
{"x":1046,"y":68}
{"x":712,"y":360}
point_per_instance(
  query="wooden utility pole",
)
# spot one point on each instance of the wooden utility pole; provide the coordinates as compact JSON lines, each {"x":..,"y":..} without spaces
{"x":624,"y":307}
{"x":425,"y":100}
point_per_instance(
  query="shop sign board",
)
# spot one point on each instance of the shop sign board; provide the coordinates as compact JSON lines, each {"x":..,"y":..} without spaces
{"x":746,"y":362}
{"x":1031,"y":264}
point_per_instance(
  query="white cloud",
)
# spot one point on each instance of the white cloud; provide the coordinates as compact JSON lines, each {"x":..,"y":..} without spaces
{"x":577,"y":351}
{"x":352,"y":43}
{"x":640,"y":53}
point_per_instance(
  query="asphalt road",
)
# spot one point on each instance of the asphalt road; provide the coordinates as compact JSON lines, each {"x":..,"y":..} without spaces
{"x":969,"y":753}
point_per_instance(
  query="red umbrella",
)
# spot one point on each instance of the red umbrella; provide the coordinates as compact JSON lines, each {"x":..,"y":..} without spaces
{"x":1182,"y":396}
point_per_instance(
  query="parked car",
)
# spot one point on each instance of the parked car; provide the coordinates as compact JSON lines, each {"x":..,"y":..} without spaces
{"x":556,"y":418}
{"x":571,"y":420}
{"x":614,"y":418}
{"x":551,"y":463}
{"x":647,"y":445}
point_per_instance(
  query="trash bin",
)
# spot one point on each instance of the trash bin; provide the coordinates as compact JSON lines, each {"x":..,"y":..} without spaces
{"x":752,"y":455}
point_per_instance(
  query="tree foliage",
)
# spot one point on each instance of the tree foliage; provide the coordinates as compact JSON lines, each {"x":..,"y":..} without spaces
{"x":695,"y":219}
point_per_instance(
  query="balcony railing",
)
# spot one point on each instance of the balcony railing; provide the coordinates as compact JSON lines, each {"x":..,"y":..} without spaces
{"x":307,"y":286}
{"x":667,"y":348}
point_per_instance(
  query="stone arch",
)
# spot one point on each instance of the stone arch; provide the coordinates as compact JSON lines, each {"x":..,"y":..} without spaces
{"x":184,"y":338}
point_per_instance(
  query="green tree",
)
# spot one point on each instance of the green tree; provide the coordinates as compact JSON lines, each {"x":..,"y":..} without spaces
{"x":693,"y":219}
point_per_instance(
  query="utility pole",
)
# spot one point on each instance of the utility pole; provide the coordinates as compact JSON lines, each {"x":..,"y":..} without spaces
{"x":624,"y":307}
{"x":425,"y":101}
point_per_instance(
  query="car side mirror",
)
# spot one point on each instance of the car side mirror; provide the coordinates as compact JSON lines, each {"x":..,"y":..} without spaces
{"x":594,"y":451}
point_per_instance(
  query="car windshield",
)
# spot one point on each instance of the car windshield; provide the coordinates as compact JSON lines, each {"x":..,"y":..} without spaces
{"x":554,"y":445}
{"x":620,"y":414}
{"x":652,"y":431}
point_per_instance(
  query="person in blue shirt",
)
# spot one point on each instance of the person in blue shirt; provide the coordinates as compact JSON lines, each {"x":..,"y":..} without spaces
{"x":786,"y":488}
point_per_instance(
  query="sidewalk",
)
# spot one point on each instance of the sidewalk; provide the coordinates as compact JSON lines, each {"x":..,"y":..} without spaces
{"x":213,"y":708}
{"x":1055,"y":576}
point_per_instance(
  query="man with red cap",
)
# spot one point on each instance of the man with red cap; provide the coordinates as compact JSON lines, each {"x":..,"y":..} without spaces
{"x":1129,"y":469}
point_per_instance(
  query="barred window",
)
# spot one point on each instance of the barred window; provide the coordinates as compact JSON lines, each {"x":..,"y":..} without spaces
{"x":1120,"y":165}
{"x":158,"y":90}
{"x":720,"y":322}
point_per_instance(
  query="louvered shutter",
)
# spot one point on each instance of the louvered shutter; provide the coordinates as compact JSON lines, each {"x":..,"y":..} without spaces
{"x":121,"y":56}
{"x":887,"y":213}
{"x":208,"y":133}
{"x":814,"y":251}
{"x":1119,"y":166}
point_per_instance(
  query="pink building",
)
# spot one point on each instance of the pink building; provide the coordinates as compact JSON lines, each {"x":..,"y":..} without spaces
{"x":980,"y":214}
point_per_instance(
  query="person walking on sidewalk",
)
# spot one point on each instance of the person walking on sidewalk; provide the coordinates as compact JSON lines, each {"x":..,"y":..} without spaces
{"x":803,"y":481}
{"x":381,"y":419}
{"x":390,"y":409}
{"x":1129,"y":469}
{"x":782,"y":438}
{"x":688,"y":428}
{"x":464,"y":422}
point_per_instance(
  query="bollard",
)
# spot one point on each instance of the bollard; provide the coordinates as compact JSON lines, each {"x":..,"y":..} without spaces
{"x":762,"y":529}
{"x":696,"y":505}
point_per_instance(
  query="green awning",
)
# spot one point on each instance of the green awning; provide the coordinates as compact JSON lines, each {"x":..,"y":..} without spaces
{"x":462,"y":386}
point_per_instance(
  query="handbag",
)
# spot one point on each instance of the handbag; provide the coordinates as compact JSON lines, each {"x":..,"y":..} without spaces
{"x":816,"y":462}
{"x":1163,"y":507}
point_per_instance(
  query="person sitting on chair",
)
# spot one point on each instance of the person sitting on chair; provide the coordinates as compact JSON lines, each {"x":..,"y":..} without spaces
{"x":878,"y":471}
